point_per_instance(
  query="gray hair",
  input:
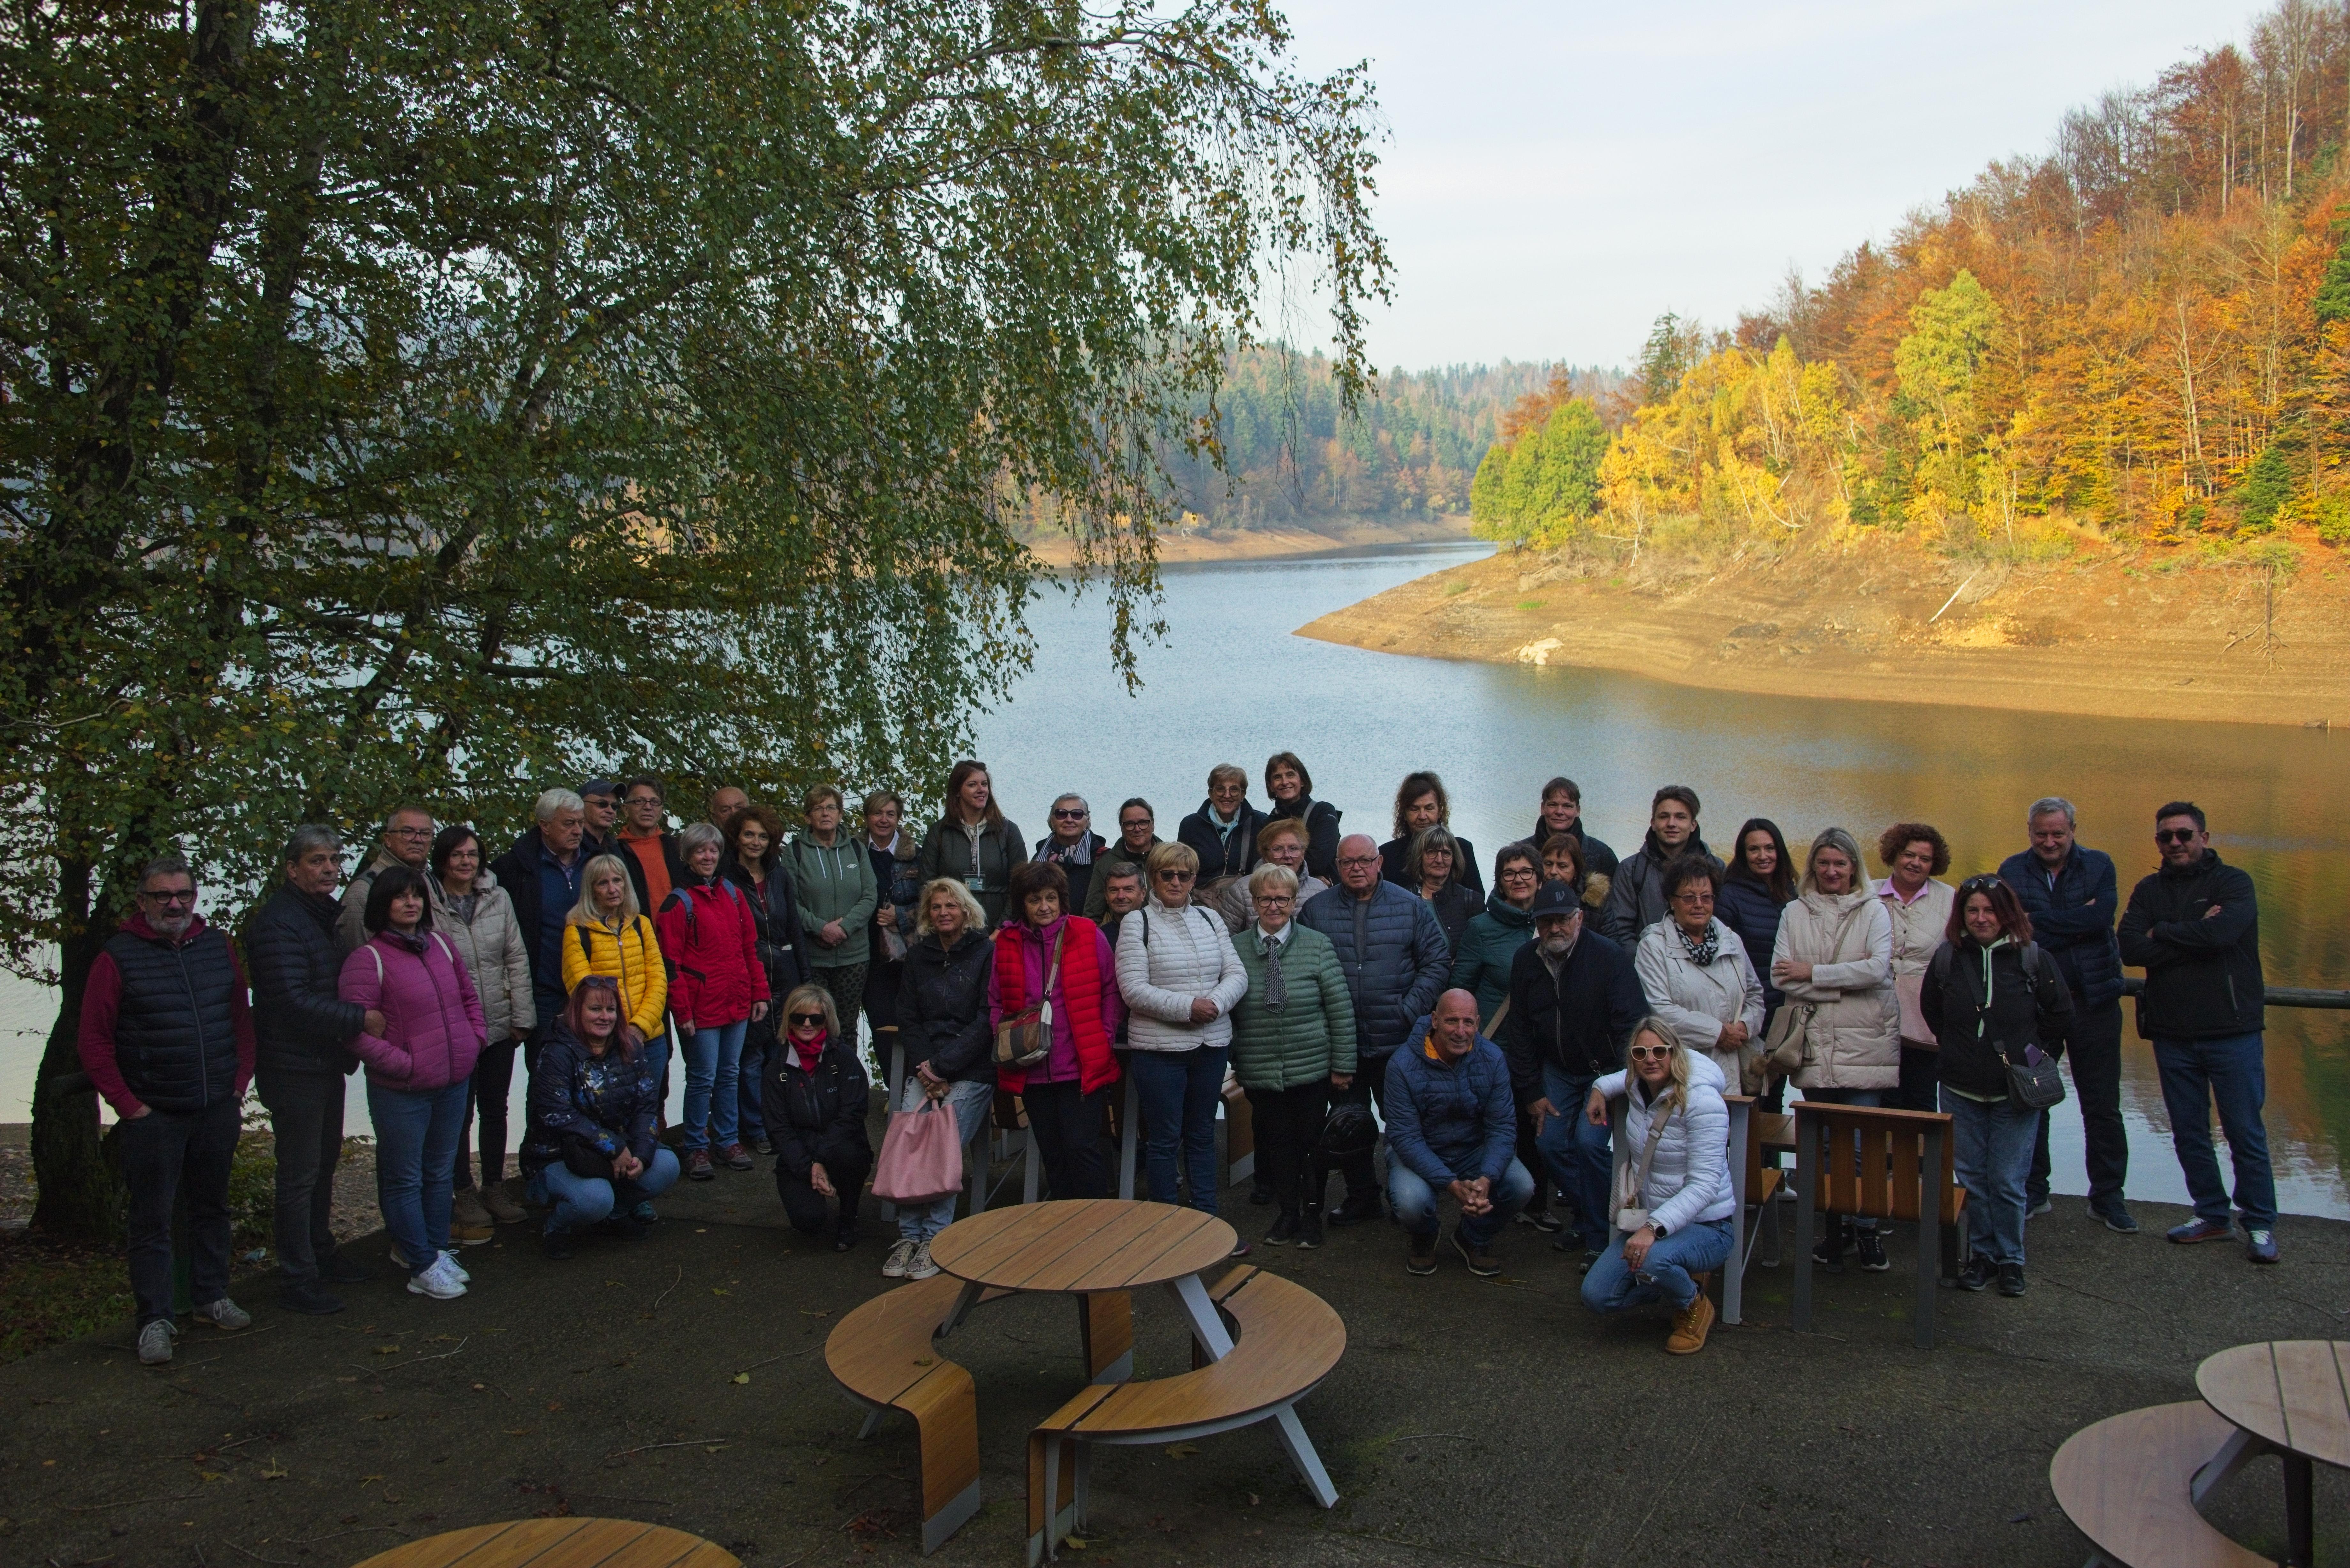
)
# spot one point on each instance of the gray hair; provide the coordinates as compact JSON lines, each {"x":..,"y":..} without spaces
{"x":974,"y":918}
{"x":170,"y":864}
{"x":699,"y":833}
{"x":2049,"y":805}
{"x":1834,"y":838}
{"x":556,"y":801}
{"x":308,"y":836}
{"x":1273,"y":875}
{"x":1078,"y":798}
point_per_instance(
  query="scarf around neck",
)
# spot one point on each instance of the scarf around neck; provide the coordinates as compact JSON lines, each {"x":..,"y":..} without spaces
{"x":1701,"y":953}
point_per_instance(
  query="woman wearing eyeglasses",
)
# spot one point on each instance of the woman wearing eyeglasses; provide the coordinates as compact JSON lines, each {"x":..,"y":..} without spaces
{"x":1048,"y":955}
{"x":594,"y":1101}
{"x":1695,"y":972}
{"x":1991,"y":997}
{"x":816,"y":1094}
{"x":1914,"y":854}
{"x":1293,"y":1043}
{"x":1674,"y":1201}
{"x":1432,"y":868}
{"x":942,"y":1022}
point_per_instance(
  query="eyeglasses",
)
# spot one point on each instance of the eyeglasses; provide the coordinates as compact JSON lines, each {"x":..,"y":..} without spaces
{"x":1359,"y":860}
{"x":1515,"y":872}
{"x":1694,"y":895}
{"x":408,"y":833}
{"x":1273,"y":900}
{"x":1649,"y":1053}
{"x":2175,"y":835}
{"x":1134,"y":821}
{"x":808,"y":1019}
{"x":171,"y":899}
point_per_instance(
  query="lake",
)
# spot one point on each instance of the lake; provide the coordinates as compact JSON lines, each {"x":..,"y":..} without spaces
{"x":1231,"y":683}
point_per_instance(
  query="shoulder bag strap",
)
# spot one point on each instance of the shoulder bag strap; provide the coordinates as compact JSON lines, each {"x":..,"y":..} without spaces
{"x":1051,"y":973}
{"x":1640,"y":1174}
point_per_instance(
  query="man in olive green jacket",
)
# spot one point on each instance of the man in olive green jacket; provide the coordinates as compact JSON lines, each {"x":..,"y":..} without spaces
{"x":1292,"y":1044}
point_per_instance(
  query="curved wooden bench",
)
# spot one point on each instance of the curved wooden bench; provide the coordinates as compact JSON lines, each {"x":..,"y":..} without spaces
{"x":885,"y":1355}
{"x":2130,"y":1484}
{"x":1287,"y":1340}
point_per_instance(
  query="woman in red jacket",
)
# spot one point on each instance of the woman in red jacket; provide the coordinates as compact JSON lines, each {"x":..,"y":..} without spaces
{"x":717,"y":986}
{"x":1064,"y":1093}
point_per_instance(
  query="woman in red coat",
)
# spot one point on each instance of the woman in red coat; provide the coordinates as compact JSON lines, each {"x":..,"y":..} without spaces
{"x":1064,"y":1093}
{"x":717,"y":987}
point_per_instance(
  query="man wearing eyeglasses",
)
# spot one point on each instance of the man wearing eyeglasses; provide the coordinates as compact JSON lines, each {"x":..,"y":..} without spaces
{"x":1073,"y":846}
{"x":406,"y":841}
{"x":2195,"y":925}
{"x":167,"y":1037}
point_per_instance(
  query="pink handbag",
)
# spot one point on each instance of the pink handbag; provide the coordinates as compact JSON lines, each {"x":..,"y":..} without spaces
{"x":921,"y":1155}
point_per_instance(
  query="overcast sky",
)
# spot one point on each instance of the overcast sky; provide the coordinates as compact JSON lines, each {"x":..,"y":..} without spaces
{"x":1560,"y":174}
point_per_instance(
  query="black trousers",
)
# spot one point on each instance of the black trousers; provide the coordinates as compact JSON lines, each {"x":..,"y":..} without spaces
{"x":1288,"y":1122}
{"x":1067,"y":1123}
{"x":306,"y":1118}
{"x":486,"y":1092}
{"x":1920,"y":1088}
{"x":803,"y":1206}
{"x":2096,"y":1052}
{"x":161,"y":1152}
{"x":1362,"y":1176}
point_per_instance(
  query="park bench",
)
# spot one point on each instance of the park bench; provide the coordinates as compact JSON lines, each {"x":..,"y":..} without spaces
{"x":1287,"y":1340}
{"x":2131,"y":1482}
{"x":1877,"y":1164}
{"x":1755,"y":1184}
{"x":885,"y":1355}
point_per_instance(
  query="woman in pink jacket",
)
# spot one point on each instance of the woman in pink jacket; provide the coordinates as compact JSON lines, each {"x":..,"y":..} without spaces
{"x":716,"y":987}
{"x":422,"y":1033}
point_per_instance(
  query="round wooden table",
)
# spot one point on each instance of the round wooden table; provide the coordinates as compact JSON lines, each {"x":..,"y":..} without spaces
{"x":558,"y":1543}
{"x":2293,"y":1395}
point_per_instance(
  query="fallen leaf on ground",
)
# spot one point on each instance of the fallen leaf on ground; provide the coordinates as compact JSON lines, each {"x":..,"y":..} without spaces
{"x":273,"y":1473}
{"x":720,"y":1290}
{"x":517,"y":1431}
{"x":821,"y":1312}
{"x":1181,"y":1450}
{"x":387,"y":1350}
{"x":742,"y":1378}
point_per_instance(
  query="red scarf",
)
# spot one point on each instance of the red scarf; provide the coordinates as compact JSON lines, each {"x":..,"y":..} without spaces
{"x":1081,"y":994}
{"x":810,"y":1052}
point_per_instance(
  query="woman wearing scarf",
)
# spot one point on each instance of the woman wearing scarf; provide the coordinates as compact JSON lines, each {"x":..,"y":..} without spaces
{"x":1222,"y":832}
{"x":832,"y":875}
{"x":1695,"y":973}
{"x":817,"y":1093}
{"x":1048,"y":954}
{"x":1293,"y":1043}
{"x":1073,"y":846}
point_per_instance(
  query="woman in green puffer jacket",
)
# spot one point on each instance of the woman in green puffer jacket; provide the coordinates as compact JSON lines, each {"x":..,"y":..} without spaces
{"x":1293,"y":1043}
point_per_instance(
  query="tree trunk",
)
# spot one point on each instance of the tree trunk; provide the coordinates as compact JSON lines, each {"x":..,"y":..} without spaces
{"x":81,"y":1193}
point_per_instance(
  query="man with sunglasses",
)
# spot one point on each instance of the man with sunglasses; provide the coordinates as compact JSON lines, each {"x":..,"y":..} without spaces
{"x":2195,"y":925}
{"x":2069,"y":891}
{"x":167,"y":1037}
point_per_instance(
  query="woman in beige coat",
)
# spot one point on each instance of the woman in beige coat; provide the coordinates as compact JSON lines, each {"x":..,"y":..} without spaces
{"x":1920,"y":909}
{"x":475,"y":913}
{"x":1835,"y":957}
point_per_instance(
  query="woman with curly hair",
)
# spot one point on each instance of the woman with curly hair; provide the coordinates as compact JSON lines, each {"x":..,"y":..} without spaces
{"x":1916,"y":854}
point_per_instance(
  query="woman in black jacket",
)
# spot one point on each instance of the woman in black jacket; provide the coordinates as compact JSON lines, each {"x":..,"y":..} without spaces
{"x":942,"y":1024}
{"x":816,"y":1094}
{"x":974,"y":841}
{"x":1759,"y":883}
{"x":1290,"y":789}
{"x":1432,"y":870}
{"x":1993,"y":998}
{"x":755,"y":863}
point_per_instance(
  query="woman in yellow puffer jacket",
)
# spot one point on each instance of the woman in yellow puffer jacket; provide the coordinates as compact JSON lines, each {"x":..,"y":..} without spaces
{"x":605,"y":933}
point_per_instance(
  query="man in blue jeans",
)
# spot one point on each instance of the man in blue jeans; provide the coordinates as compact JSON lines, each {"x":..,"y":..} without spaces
{"x":1453,"y":1130}
{"x":2195,"y":926}
{"x":1574,"y":1000}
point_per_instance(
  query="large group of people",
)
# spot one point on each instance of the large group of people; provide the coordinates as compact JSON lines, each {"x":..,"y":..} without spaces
{"x":1351,"y":990}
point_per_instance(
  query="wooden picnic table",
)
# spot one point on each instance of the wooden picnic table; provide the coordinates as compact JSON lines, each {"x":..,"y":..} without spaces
{"x":558,"y":1543}
{"x":2292,"y":1395}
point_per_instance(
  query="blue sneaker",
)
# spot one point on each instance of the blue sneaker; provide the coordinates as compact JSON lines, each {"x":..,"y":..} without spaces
{"x":2196,"y":1231}
{"x":2116,"y":1218}
{"x":2261,"y":1246}
{"x":643,"y":1213}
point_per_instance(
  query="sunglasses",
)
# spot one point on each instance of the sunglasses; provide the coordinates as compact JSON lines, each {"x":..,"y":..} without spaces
{"x":1649,"y":1053}
{"x":1173,"y":876}
{"x":1068,"y":815}
{"x":810,"y":1020}
{"x":2175,"y":835}
{"x":1978,"y":885}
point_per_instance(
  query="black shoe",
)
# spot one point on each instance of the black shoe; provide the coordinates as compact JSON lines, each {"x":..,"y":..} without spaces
{"x":1284,"y":1230}
{"x":557,"y":1244}
{"x":1309,"y":1228}
{"x":1977,"y":1273}
{"x":2010,"y":1278}
{"x":845,"y":1239}
{"x":1828,"y":1256}
{"x":1358,"y":1207}
{"x":1542,"y":1220}
{"x":335,"y":1269}
{"x":1422,"y":1260}
{"x":1872,"y":1251}
{"x":763,"y":1145}
{"x":304,"y":1296}
{"x":1261,"y":1192}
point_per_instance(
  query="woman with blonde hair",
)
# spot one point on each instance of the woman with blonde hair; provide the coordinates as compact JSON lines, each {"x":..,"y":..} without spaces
{"x":816,"y":1094}
{"x":605,"y":933}
{"x":942,"y":1011}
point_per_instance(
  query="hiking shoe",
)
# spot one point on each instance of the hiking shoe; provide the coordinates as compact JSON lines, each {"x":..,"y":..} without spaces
{"x":556,"y":1243}
{"x":1422,"y":1260}
{"x":1261,"y":1192}
{"x":2116,"y":1217}
{"x":1690,"y":1325}
{"x":503,"y":1209}
{"x":224,"y":1314}
{"x":920,"y":1267}
{"x":846,"y":1239}
{"x":1871,"y":1246}
{"x":738,"y":1158}
{"x":2010,"y":1278}
{"x":1978,"y":1273}
{"x":2261,"y":1246}
{"x":1358,"y":1208}
{"x":2196,"y":1231}
{"x":304,"y":1296}
{"x":893,"y":1267}
{"x":466,"y":1211}
{"x":340,"y":1268}
{"x":438,"y":1282}
{"x":1482,"y":1263}
{"x":697,"y":1166}
{"x":155,"y":1342}
{"x":763,"y":1144}
{"x":1240,"y":1250}
{"x":1284,"y":1231}
{"x":1542,"y":1220}
{"x":456,"y":1267}
{"x":1309,"y":1228}
{"x":472,"y":1235}
{"x":2035,"y":1208}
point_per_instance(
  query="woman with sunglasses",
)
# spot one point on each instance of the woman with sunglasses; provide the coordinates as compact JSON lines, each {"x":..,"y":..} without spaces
{"x":1674,"y":1205}
{"x":1695,"y":973}
{"x":1914,"y":854}
{"x":1048,"y":954}
{"x":816,"y":1094}
{"x":1181,"y":979}
{"x":594,"y":1103}
{"x":1991,"y":997}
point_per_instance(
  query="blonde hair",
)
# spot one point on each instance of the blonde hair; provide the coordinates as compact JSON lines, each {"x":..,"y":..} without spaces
{"x":816,"y":993}
{"x":1172,"y":852}
{"x":974,"y":918}
{"x":1273,"y":875}
{"x":585,"y":913}
{"x":1227,"y":773}
{"x":1676,"y":1057}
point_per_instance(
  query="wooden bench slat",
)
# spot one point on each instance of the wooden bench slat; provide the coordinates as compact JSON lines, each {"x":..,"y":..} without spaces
{"x":1289,"y":1341}
{"x":558,"y":1543}
{"x":2127,"y":1484}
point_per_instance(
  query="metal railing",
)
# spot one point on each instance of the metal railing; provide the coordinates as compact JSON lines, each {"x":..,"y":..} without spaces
{"x":2275,"y":996}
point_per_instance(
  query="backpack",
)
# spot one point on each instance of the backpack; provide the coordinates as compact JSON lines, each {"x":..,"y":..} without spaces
{"x":1938,"y":968}
{"x":683,"y":896}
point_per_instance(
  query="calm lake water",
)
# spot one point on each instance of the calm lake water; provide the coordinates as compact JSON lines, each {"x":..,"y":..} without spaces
{"x":1231,"y":683}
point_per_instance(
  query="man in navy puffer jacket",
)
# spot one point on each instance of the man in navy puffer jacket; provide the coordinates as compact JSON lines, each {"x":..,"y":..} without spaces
{"x":1452,"y":1125}
{"x":1395,"y":958}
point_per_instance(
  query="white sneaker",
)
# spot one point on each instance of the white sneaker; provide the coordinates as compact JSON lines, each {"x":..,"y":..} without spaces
{"x":437,"y":1282}
{"x":456,"y":1267}
{"x":922,"y":1268}
{"x":155,"y":1342}
{"x":224,"y":1314}
{"x":893,"y":1267}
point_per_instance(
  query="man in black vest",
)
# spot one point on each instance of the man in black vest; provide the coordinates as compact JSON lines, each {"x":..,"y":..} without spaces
{"x":301,"y":1025}
{"x":168,"y":1039}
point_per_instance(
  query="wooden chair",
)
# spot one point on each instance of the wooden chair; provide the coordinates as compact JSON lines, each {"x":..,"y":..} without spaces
{"x":1287,"y":1340}
{"x":1877,"y":1164}
{"x":1754,"y":1185}
{"x":2131,"y":1482}
{"x":885,"y":1355}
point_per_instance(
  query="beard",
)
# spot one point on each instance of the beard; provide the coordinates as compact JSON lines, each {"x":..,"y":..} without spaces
{"x":1554,"y":944}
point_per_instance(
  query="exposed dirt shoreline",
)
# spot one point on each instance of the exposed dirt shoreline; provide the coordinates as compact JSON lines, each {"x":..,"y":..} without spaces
{"x":1324,"y":536}
{"x":2117,"y":634}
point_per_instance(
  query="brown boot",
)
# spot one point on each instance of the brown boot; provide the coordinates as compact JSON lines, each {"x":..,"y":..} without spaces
{"x":503,"y":1209}
{"x":1692,"y":1326}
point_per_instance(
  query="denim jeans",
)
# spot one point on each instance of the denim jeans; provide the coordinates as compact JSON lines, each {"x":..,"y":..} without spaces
{"x":2228,"y":1072}
{"x":1991,"y":1150}
{"x":416,"y":1136}
{"x":164,"y":1152}
{"x":1578,"y":1153}
{"x":968,"y":1101}
{"x":713,"y":1066}
{"x":1871,"y":1097}
{"x":1414,"y":1202}
{"x":1179,"y":1090}
{"x":582,"y":1201}
{"x":1668,"y":1272}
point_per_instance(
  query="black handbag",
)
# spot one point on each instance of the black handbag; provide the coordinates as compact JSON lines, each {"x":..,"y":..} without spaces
{"x":2035,"y":1086}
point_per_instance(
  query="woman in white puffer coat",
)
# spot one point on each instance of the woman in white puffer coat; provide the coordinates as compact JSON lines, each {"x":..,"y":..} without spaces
{"x":1835,"y":957}
{"x":1181,"y":979}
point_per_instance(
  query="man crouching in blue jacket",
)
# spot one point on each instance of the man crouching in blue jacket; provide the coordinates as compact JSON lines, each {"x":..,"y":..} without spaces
{"x":1452,"y":1127}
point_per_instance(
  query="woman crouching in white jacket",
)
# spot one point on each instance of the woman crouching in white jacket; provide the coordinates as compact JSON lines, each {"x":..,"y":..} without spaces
{"x":1673,"y":1197}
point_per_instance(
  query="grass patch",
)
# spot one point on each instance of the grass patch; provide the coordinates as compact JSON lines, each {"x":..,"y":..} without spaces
{"x":1455,"y":588}
{"x":1531,"y":604}
{"x":57,"y":1293}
